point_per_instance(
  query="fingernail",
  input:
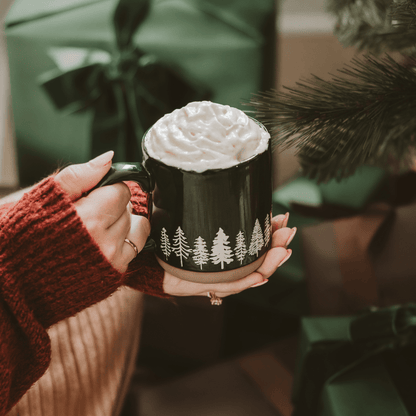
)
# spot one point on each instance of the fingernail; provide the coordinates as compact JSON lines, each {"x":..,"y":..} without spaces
{"x":260,"y":283}
{"x":285,"y":221}
{"x":289,"y":253}
{"x":289,"y":240}
{"x":103,"y":160}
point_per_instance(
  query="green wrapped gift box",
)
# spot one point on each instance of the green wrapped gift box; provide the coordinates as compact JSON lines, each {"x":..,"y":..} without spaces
{"x":352,"y":193}
{"x":357,"y":365}
{"x":366,"y":390}
{"x":226,"y":47}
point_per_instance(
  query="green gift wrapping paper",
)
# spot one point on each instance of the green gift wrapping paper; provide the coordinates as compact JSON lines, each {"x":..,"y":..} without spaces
{"x":365,"y":390}
{"x":348,"y":366}
{"x":226,"y":47}
{"x":353,"y":193}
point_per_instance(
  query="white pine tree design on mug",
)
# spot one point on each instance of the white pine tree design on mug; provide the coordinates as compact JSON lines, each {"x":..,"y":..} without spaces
{"x":221,"y":252}
{"x":201,"y":254}
{"x":165,"y":243}
{"x":257,"y":241}
{"x":267,"y":230}
{"x":180,"y":245}
{"x":240,"y":247}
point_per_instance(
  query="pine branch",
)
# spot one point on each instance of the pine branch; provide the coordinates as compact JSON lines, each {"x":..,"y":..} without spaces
{"x":376,"y":26}
{"x":364,"y":116}
{"x":404,"y":14}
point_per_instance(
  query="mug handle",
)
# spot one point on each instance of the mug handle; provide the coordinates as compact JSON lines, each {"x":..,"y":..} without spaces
{"x":134,"y":172}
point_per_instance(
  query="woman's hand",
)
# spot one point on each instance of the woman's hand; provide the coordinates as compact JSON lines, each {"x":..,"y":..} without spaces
{"x":275,"y":257}
{"x":106,"y":212}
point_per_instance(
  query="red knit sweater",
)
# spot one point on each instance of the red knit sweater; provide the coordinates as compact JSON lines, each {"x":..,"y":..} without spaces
{"x":50,"y":269}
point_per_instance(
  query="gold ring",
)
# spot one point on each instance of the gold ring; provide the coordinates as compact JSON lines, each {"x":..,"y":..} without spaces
{"x":215,"y":300}
{"x":130,"y":243}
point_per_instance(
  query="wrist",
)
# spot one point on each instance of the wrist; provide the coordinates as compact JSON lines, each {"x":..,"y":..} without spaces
{"x":52,"y":263}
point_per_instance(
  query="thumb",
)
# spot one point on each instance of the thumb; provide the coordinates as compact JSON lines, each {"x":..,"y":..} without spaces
{"x":77,"y":179}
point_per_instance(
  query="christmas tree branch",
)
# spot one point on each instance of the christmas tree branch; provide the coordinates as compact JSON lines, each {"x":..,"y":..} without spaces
{"x":366,"y":115}
{"x":404,"y":14}
{"x":375,"y":25}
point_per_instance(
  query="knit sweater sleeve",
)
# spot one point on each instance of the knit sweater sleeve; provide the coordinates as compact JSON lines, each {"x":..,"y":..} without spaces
{"x":50,"y":269}
{"x":151,"y":280}
{"x":4,"y":208}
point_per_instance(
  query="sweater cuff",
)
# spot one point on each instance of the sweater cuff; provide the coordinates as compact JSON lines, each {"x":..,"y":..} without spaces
{"x":51,"y":264}
{"x":5,"y":207}
{"x":144,"y":272}
{"x":139,"y":199}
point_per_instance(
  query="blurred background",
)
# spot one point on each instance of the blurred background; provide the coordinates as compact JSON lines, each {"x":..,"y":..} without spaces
{"x":304,"y":45}
{"x":239,"y":358}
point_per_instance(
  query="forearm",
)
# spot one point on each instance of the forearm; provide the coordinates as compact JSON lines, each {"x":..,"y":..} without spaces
{"x":50,"y":269}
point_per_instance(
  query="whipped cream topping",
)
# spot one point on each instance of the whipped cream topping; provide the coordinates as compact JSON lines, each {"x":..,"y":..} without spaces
{"x":205,"y":135}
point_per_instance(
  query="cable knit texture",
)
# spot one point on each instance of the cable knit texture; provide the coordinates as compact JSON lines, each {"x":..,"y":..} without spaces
{"x":50,"y":269}
{"x":145,"y":263}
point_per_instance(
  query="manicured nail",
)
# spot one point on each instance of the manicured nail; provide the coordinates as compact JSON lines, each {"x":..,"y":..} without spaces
{"x":103,"y":160}
{"x":285,"y":221}
{"x":289,"y":240}
{"x":289,"y":253}
{"x":260,"y":283}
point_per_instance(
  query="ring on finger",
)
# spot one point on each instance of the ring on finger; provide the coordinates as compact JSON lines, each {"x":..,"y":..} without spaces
{"x":215,"y":300}
{"x":131,"y":244}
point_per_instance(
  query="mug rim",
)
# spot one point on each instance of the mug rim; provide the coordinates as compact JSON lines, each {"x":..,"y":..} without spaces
{"x":209,"y":171}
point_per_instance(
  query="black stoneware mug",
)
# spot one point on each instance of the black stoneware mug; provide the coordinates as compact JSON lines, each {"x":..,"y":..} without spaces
{"x":207,"y":227}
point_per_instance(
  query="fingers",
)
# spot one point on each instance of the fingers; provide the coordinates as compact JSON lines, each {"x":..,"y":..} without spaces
{"x":77,"y":179}
{"x":275,"y":257}
{"x":232,"y":288}
{"x":105,"y":205}
{"x":111,"y":239}
{"x":280,"y":221}
{"x":283,"y":237}
{"x":177,"y":287}
{"x":107,"y":214}
{"x":135,"y":229}
{"x":138,"y":233}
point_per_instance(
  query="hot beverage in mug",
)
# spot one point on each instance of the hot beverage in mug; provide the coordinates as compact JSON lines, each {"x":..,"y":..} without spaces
{"x":203,"y":136}
{"x":207,"y":168}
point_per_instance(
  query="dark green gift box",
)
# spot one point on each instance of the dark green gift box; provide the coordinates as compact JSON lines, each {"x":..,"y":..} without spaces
{"x":223,"y":47}
{"x":357,"y":365}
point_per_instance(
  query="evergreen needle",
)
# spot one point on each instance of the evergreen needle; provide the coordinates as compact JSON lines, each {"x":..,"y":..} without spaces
{"x":366,"y":115}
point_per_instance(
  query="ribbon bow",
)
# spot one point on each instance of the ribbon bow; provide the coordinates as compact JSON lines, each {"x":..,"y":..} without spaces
{"x":369,"y":334}
{"x":127,"y":90}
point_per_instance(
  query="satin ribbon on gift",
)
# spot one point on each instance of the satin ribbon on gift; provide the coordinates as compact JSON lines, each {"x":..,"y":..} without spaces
{"x":334,"y":347}
{"x":127,"y":90}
